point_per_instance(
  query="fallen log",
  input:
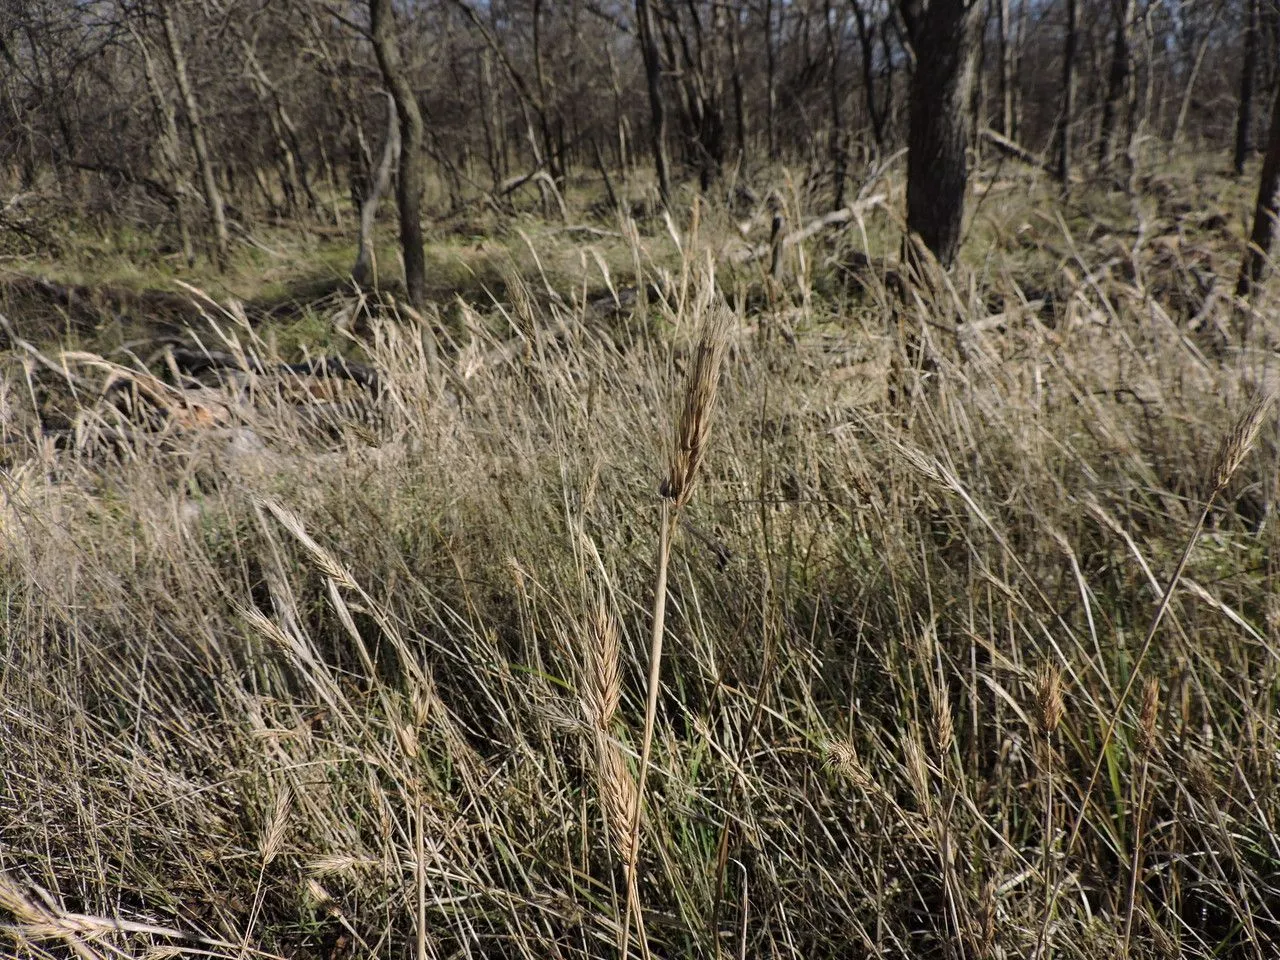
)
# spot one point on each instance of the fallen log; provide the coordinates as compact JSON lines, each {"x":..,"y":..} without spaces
{"x":833,"y":220}
{"x":1016,"y":151}
{"x":191,"y":361}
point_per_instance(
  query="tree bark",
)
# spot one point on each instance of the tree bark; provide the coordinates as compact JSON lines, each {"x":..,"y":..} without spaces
{"x":1005,"y":67}
{"x":839,"y":160}
{"x":1119,"y":77}
{"x":490,"y":108}
{"x":212,"y":195}
{"x":937,"y":173}
{"x":1068,"y":96}
{"x":657,"y":109}
{"x":169,"y":146}
{"x":1254,"y":268}
{"x":362,"y":269}
{"x":876,"y":112}
{"x":739,"y":88}
{"x":409,"y":187}
{"x":1244,"y":116}
{"x":771,"y":81}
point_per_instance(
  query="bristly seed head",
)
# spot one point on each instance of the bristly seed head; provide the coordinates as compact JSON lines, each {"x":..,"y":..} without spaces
{"x":1147,"y":719}
{"x":620,"y":798}
{"x":602,"y":687}
{"x":918,"y":772}
{"x":1049,"y":704}
{"x":944,"y":730}
{"x":694,"y":425}
{"x":1240,"y":440}
{"x":842,"y":757}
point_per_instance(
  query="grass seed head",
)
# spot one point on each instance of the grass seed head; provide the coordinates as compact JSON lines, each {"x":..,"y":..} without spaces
{"x":842,"y":757}
{"x":620,"y":799}
{"x":1049,"y":703}
{"x":918,"y":772}
{"x":1240,"y":439}
{"x":1147,"y":719}
{"x":944,"y":730}
{"x":693,"y":428}
{"x":602,"y":686}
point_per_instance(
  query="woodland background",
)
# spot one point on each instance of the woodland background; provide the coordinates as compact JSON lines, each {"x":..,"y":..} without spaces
{"x":587,"y":479}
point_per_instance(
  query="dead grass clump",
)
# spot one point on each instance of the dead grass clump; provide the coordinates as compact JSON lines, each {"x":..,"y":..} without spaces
{"x":381,"y":686}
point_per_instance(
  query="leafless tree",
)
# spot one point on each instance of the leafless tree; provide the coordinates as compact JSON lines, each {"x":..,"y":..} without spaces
{"x":944,"y":40}
{"x":657,"y":106}
{"x":1266,"y":210}
{"x":1068,"y":114}
{"x":409,"y":187}
{"x":194,"y":119}
{"x":212,"y":193}
{"x":1248,"y":68}
{"x":1119,"y":77}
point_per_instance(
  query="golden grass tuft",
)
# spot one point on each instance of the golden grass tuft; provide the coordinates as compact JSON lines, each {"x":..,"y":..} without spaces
{"x":392,"y":687}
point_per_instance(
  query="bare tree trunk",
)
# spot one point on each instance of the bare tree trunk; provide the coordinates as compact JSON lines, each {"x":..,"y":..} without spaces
{"x":657,"y":110}
{"x":1068,"y":96}
{"x":739,"y":88}
{"x":212,"y":195}
{"x":362,"y":269}
{"x":1005,"y":69}
{"x":1019,"y":52}
{"x":169,"y":146}
{"x":488,"y":115}
{"x":704,"y":93}
{"x":839,"y":161}
{"x":552,"y":153}
{"x":977,"y":96}
{"x":771,"y":81}
{"x":604,"y":175}
{"x":1185,"y":106}
{"x":619,"y":115}
{"x":287,"y":169}
{"x":1119,"y":77}
{"x":1254,"y":268}
{"x":409,"y":188}
{"x":1244,"y":116}
{"x":877,"y":113}
{"x":937,"y":171}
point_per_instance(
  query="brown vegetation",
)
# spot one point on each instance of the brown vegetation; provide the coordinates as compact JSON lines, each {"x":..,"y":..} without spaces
{"x":649,"y":547}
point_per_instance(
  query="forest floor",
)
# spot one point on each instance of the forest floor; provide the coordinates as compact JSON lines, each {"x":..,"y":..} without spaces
{"x":970,"y":619}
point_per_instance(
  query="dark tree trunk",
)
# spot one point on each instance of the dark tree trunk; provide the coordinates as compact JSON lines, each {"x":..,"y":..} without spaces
{"x":409,"y":188}
{"x":489,"y":118}
{"x":1119,"y":76}
{"x":839,"y":160}
{"x":1247,"y":70}
{"x":739,"y":88}
{"x":1254,"y":267}
{"x":937,"y":173}
{"x":657,"y":110}
{"x":1068,"y":96}
{"x":876,"y":112}
{"x":771,"y":81}
{"x":552,"y":146}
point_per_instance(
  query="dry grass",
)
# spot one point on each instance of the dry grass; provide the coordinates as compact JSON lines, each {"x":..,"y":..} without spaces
{"x":368,"y":677}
